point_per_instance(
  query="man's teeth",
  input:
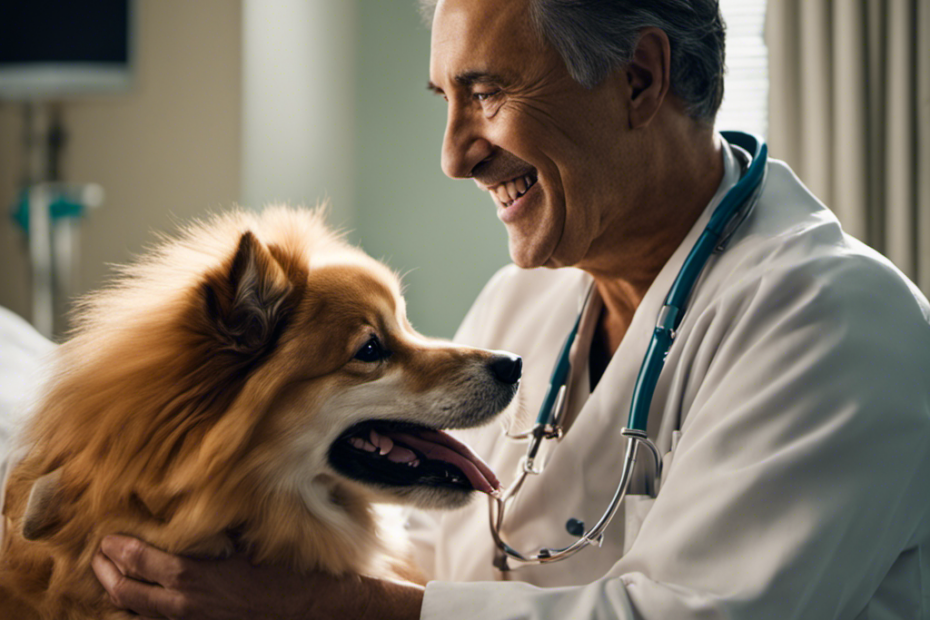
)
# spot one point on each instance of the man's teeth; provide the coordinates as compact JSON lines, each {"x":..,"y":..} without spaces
{"x":509,"y":191}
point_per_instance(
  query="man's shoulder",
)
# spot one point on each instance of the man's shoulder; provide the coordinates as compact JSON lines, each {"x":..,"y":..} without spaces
{"x":517,"y":284}
{"x":793,"y":239}
{"x":516,"y":300}
{"x":792,"y":263}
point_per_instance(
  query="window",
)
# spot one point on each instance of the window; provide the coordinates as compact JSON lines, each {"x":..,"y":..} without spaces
{"x":746,"y":87}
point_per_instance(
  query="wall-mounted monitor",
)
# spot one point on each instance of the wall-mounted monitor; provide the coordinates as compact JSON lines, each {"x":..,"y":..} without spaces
{"x":55,"y":49}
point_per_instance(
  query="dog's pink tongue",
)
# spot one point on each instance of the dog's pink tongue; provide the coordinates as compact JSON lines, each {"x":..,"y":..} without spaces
{"x":441,"y":446}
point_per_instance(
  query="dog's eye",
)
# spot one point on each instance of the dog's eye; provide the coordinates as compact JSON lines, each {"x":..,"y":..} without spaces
{"x":372,"y":351}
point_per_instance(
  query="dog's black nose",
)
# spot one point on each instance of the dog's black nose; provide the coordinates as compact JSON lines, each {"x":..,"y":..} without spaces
{"x":507,"y":367}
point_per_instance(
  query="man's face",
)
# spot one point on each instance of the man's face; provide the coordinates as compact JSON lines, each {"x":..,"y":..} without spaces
{"x":552,"y":154}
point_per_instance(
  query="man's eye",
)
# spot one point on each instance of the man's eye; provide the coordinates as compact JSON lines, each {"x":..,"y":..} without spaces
{"x":372,"y":351}
{"x":485,"y":96}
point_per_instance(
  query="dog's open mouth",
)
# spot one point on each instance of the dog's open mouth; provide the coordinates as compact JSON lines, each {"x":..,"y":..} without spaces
{"x":403,"y":454}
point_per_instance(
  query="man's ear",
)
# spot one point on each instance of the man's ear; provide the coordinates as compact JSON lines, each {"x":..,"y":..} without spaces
{"x":648,"y":76}
{"x":43,"y":517}
{"x":246,"y":303}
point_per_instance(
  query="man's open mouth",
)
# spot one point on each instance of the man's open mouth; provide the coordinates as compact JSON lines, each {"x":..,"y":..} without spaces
{"x":403,"y":454}
{"x":509,"y":191}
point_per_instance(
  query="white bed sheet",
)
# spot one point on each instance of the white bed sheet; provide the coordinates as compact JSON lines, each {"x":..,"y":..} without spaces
{"x":24,"y":354}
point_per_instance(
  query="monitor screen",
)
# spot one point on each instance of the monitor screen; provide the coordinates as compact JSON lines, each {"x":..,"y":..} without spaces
{"x":60,"y":48}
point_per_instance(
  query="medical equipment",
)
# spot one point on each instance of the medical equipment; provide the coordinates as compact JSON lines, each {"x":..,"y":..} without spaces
{"x":727,"y":217}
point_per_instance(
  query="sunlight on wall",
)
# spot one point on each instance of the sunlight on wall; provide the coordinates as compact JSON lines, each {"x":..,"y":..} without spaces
{"x":298,"y":103}
{"x":442,"y":233}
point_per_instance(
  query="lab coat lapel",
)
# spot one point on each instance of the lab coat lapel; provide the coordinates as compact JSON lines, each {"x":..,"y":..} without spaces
{"x":572,"y":485}
{"x":580,"y":455}
{"x":609,"y":405}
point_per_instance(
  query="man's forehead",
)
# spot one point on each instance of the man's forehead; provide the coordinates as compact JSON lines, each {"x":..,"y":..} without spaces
{"x":481,"y":13}
{"x":470,"y":37}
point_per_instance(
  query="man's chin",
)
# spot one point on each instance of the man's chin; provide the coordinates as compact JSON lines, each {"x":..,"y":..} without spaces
{"x":533,"y":253}
{"x":527,"y":255}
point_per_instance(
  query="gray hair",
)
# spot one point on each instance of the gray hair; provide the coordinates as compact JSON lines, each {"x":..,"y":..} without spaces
{"x":594,"y":37}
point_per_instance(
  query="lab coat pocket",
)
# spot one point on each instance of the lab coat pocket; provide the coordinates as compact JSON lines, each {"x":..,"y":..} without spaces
{"x":635,"y":509}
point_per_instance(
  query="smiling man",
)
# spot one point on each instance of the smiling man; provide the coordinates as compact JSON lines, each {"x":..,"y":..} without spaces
{"x":792,"y":411}
{"x":613,"y":175}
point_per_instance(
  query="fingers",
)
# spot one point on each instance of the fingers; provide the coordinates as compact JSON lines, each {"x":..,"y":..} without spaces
{"x":140,"y":561}
{"x":149,"y":600}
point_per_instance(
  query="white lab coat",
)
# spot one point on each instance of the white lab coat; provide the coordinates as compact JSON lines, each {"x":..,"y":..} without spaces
{"x":794,"y":414}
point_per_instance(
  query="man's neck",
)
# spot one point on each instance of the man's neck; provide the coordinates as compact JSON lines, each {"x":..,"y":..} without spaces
{"x":624,"y":266}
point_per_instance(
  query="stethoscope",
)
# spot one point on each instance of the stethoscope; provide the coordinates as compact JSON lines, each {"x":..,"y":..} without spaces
{"x":728,"y":215}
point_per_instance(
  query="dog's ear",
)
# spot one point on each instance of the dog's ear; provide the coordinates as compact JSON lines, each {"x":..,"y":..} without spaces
{"x":43,"y":510}
{"x":247,"y":302}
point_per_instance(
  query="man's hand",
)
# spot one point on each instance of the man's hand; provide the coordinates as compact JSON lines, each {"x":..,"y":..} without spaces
{"x":155,"y":584}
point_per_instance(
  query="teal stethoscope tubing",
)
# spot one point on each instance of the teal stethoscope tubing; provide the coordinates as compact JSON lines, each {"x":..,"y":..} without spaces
{"x":673,"y":309}
{"x":726,"y":217}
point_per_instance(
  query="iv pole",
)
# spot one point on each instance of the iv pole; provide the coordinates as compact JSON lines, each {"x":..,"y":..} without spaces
{"x":51,"y":215}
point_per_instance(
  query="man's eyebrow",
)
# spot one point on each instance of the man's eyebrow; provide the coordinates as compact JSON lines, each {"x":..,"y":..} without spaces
{"x":470,"y":78}
{"x":467,"y":79}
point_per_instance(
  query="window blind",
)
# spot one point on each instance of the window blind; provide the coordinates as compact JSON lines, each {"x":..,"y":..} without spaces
{"x":746,"y":85}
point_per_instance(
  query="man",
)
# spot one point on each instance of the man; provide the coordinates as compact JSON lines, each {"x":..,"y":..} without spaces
{"x":793,"y":410}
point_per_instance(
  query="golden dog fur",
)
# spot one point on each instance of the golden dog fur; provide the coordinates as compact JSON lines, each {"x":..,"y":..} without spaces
{"x":194,"y":405}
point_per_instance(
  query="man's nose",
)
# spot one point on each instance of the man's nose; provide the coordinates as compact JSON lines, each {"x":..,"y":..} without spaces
{"x":463,"y":145}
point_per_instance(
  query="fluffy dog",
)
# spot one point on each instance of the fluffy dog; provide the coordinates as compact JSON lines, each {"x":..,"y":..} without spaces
{"x":253,"y":385}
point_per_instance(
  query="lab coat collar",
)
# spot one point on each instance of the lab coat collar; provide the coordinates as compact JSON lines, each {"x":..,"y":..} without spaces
{"x":633,"y":347}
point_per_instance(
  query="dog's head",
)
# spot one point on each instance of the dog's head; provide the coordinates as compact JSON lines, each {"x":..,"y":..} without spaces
{"x":258,"y":356}
{"x":253,"y":383}
{"x":314,"y":335}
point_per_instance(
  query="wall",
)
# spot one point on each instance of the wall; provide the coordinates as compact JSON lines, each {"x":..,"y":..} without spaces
{"x":442,"y":234}
{"x":167,"y":151}
{"x":298,"y":97}
{"x":260,"y":100}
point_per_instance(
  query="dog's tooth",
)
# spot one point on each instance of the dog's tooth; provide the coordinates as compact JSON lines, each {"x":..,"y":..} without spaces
{"x":385,"y":444}
{"x":414,"y":463}
{"x":361,"y":444}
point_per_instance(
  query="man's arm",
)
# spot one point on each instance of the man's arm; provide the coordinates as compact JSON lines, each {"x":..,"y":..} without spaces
{"x":798,"y":489}
{"x":155,"y":584}
{"x":799,"y":484}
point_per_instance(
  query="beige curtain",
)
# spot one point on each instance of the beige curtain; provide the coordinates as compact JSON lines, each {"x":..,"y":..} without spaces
{"x":849,"y":110}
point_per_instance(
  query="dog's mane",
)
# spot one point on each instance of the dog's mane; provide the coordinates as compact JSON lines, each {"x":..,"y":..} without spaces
{"x":127,"y":418}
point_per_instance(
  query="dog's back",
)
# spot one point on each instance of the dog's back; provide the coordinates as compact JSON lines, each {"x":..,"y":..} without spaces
{"x":146,"y":422}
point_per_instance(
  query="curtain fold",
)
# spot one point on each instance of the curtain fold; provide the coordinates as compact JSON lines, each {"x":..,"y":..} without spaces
{"x":849,"y":110}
